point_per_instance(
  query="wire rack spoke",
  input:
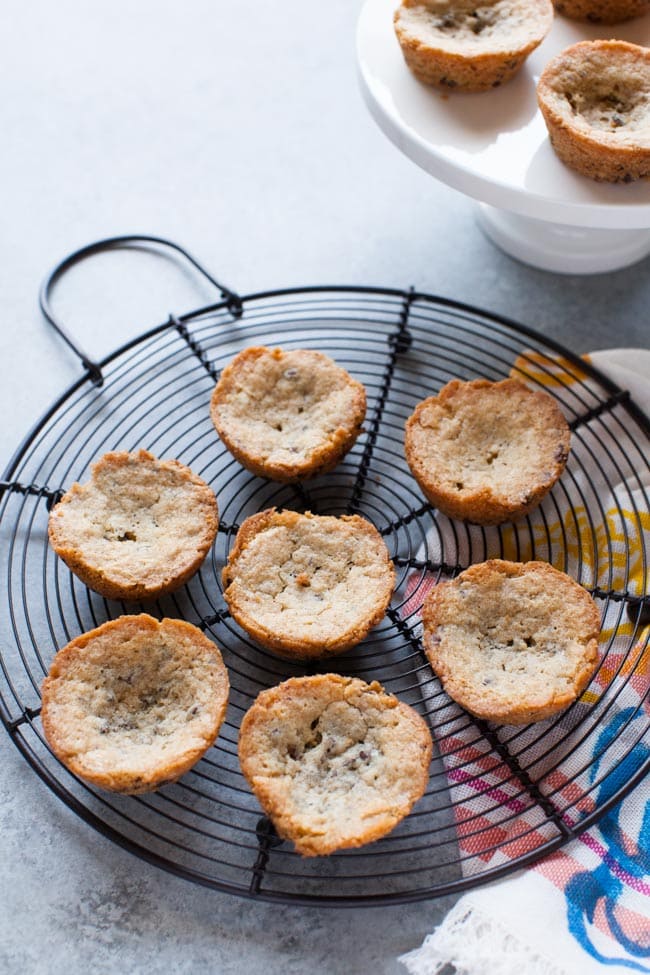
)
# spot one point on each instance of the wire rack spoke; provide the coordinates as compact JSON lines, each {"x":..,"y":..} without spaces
{"x":29,"y":714}
{"x":398,"y":342}
{"x":213,"y":619}
{"x":620,"y":398}
{"x":195,"y":347}
{"x":403,"y":628}
{"x":267,"y":839}
{"x":427,"y":565}
{"x":618,"y":596}
{"x":522,"y":776}
{"x":304,"y":501}
{"x":638,"y":607}
{"x":406,"y":519}
{"x":50,"y":496}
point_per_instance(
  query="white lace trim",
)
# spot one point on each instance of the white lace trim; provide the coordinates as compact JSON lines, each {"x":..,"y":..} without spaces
{"x":476,"y":944}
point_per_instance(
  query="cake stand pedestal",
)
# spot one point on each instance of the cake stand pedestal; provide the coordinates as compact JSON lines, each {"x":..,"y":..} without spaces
{"x":563,"y":248}
{"x":494,"y":147}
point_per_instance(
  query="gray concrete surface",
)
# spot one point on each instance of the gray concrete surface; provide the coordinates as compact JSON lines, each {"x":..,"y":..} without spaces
{"x":237,"y":130}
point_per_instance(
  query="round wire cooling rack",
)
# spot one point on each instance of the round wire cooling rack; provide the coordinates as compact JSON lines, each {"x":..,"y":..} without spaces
{"x":498,"y":798}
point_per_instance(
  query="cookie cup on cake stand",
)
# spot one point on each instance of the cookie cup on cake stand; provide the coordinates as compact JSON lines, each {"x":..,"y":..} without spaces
{"x":494,"y":147}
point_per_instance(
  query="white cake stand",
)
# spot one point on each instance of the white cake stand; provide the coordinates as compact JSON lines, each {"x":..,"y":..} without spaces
{"x":494,"y":147}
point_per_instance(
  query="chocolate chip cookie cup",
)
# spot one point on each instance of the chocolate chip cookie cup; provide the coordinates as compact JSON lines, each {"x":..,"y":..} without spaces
{"x":487,"y":452}
{"x":287,"y":415}
{"x":308,"y":586}
{"x":139,"y":528}
{"x":511,"y":642}
{"x":595,"y":99}
{"x":602,"y":11}
{"x":334,"y":762}
{"x":134,"y":704}
{"x":465,"y":46}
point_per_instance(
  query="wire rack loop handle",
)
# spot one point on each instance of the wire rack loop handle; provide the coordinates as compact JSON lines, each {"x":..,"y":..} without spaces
{"x":231,"y":298}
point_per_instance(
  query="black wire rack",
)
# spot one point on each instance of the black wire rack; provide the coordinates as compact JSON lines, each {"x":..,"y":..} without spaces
{"x":403,"y":345}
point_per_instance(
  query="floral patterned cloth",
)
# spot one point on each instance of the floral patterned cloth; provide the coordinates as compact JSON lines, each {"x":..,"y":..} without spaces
{"x":588,"y":904}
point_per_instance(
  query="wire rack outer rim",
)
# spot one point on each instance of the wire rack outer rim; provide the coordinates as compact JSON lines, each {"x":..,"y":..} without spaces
{"x":411,"y":295}
{"x":318,"y":900}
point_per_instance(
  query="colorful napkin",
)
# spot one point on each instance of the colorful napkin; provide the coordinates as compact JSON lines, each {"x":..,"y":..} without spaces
{"x":588,"y":904}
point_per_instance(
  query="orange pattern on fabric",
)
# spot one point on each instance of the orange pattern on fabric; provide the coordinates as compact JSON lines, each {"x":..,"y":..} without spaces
{"x":546,"y":371}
